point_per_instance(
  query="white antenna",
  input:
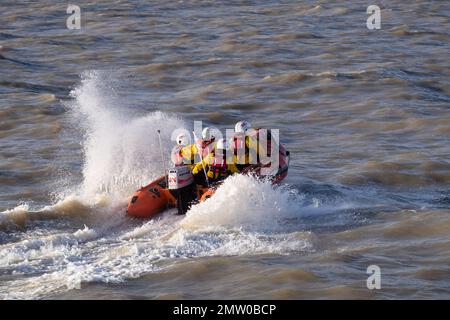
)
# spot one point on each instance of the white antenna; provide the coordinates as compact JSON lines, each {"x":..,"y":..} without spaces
{"x":162,"y":153}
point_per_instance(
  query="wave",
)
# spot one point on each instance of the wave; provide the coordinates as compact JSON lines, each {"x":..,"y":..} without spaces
{"x":244,"y":201}
{"x":121,"y":151}
{"x":85,"y":236}
{"x":114,"y":251}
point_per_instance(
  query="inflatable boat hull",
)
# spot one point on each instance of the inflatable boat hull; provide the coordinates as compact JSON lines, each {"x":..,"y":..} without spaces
{"x":154,"y":198}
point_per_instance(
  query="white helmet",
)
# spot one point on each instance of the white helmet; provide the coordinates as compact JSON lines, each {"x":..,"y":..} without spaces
{"x":242,"y":126}
{"x":182,"y":140}
{"x":208,"y":134}
{"x":222,"y":144}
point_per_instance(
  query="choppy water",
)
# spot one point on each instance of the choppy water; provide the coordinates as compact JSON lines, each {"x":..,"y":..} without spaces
{"x":365,"y":114}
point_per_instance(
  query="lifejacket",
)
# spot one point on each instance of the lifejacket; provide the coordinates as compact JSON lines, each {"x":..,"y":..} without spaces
{"x":239,"y":143}
{"x":177,"y":156}
{"x":218,"y":168}
{"x":184,"y":155}
{"x":205,"y":146}
{"x":244,"y":142}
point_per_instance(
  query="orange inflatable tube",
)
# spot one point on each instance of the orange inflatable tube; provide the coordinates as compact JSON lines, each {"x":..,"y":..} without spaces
{"x":151,"y":200}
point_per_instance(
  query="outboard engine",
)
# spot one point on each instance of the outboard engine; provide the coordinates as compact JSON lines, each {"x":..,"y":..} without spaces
{"x":181,"y":185}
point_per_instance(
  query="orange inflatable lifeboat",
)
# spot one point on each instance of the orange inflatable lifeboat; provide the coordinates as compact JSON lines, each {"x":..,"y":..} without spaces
{"x":178,"y":190}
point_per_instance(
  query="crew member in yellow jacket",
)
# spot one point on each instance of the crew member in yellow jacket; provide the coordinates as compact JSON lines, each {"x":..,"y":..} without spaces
{"x":248,"y":146}
{"x":184,"y":153}
{"x":215,"y":164}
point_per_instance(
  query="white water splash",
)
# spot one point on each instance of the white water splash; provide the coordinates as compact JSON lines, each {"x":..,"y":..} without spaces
{"x":121,"y":152}
{"x":243,"y":200}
